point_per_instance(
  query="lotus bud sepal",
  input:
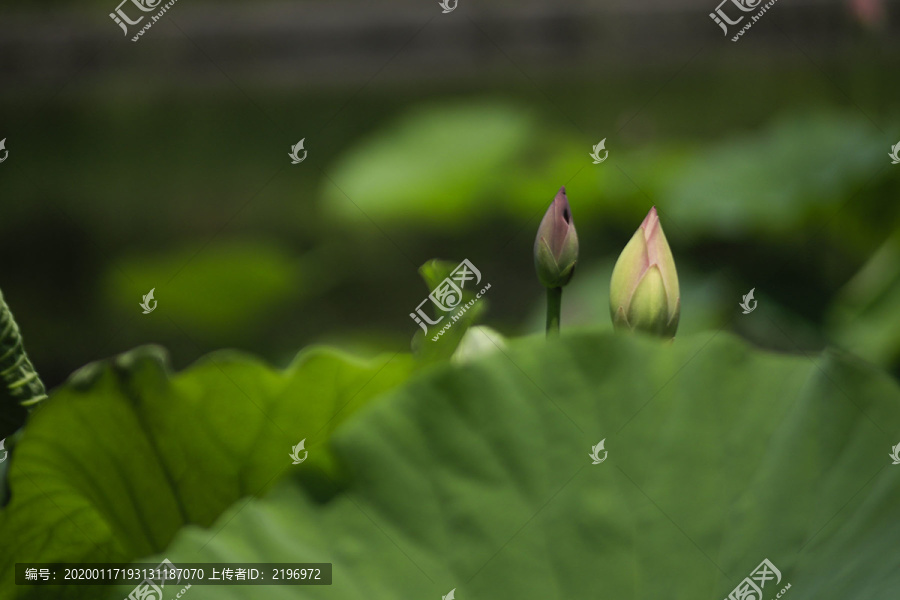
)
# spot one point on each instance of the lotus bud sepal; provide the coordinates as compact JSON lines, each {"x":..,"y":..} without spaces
{"x":644,"y":294}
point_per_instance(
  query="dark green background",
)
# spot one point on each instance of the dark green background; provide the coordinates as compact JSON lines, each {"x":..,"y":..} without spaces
{"x":163,"y":164}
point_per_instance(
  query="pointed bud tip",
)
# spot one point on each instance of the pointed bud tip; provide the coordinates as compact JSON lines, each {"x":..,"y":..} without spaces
{"x":651,"y":220}
{"x":561,"y":205}
{"x":561,"y":197}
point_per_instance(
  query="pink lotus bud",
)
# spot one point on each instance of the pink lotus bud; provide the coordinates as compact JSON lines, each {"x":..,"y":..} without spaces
{"x":556,"y":244}
{"x":643,"y":293}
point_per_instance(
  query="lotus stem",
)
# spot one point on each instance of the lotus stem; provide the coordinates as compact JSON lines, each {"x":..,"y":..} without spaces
{"x":554,"y":306}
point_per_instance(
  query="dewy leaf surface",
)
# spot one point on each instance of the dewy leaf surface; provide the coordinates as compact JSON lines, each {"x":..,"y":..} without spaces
{"x":477,"y":477}
{"x":125,"y":454}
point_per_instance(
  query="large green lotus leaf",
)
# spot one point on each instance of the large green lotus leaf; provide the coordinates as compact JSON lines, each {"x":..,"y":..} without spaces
{"x":125,"y":454}
{"x":477,"y":477}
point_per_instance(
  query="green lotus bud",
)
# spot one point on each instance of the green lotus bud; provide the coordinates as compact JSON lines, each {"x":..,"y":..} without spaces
{"x":556,"y":244}
{"x":643,"y":293}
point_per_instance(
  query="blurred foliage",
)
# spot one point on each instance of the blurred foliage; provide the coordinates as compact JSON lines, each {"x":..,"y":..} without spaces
{"x":476,"y":478}
{"x":222,"y":289}
{"x":435,"y":273}
{"x":865,"y":316}
{"x":125,"y":454}
{"x":764,"y":178}
{"x":799,"y":170}
{"x":798,"y":174}
{"x":435,"y":166}
{"x":247,"y":251}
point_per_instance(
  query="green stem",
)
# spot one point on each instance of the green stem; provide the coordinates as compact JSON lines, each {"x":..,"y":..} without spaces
{"x":554,"y":305}
{"x":16,"y":371}
{"x":22,"y":384}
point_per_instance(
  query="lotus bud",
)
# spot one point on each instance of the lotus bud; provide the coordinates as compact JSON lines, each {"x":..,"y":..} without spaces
{"x":643,"y":293}
{"x":556,"y":244}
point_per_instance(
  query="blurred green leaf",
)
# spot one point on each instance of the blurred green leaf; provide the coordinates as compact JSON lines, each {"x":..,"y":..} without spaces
{"x":125,"y":454}
{"x":775,"y":179}
{"x":430,"y":166}
{"x":477,"y":477}
{"x":218,"y":289}
{"x":865,"y":318}
{"x":440,"y":343}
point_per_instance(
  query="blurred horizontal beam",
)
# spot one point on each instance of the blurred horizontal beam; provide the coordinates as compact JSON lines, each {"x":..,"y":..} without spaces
{"x":322,"y":43}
